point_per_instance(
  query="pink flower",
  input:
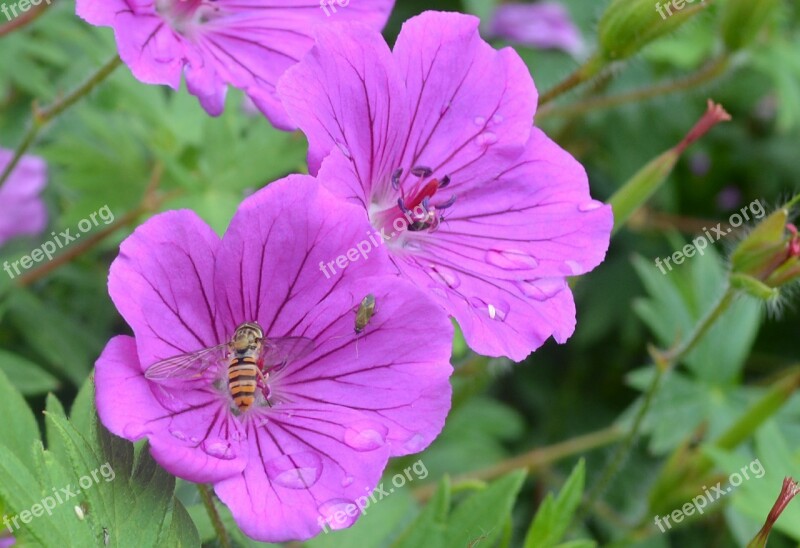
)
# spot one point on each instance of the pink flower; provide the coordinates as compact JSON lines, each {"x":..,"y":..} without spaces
{"x":543,"y":25}
{"x":321,"y":431}
{"x":22,"y":211}
{"x":244,"y":43}
{"x":434,"y":142}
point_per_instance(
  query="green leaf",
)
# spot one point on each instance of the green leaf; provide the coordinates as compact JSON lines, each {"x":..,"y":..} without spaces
{"x":18,"y":429}
{"x":483,"y":514}
{"x":556,"y":513}
{"x":28,"y":377}
{"x":428,"y":528}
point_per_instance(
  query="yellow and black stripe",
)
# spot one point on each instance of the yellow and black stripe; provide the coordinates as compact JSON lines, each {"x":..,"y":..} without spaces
{"x":243,"y":381}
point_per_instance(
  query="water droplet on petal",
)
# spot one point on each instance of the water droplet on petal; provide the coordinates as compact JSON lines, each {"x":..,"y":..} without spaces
{"x":439,"y":291}
{"x":543,"y":288}
{"x":366,"y":435}
{"x":334,"y":513}
{"x":445,"y":275}
{"x":591,"y":205}
{"x":178,"y":434}
{"x":480,"y":121}
{"x":497,"y":310}
{"x":347,"y":481}
{"x":219,"y":449}
{"x":486,"y":138}
{"x":511,"y":259}
{"x":296,"y":470}
{"x":412,"y":245}
{"x":344,"y":149}
{"x":498,"y":119}
{"x":415,"y":444}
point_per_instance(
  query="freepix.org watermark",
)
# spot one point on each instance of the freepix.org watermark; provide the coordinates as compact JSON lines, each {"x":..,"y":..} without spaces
{"x":347,"y":512}
{"x":325,"y":4}
{"x":22,"y":5}
{"x":700,"y":243}
{"x":60,"y":241}
{"x":710,"y":496}
{"x":375,"y":239}
{"x":60,"y":496}
{"x":677,"y":4}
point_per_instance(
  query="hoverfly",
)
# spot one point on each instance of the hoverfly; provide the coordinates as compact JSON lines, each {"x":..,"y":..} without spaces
{"x":251,"y":358}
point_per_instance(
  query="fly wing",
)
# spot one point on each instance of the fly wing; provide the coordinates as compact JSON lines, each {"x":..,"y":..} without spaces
{"x":280,"y":351}
{"x":187,"y":366}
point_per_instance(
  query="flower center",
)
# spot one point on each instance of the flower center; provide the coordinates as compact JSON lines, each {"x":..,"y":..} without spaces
{"x":182,"y":15}
{"x":419,"y":206}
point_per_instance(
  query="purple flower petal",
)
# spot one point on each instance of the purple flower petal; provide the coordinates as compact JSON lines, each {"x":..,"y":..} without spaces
{"x":6,"y":542}
{"x":334,"y":415}
{"x":543,"y":25}
{"x":482,"y":210}
{"x":22,"y":211}
{"x":244,"y":43}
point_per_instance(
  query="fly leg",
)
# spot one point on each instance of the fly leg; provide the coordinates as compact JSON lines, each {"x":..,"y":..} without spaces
{"x":264,"y":386}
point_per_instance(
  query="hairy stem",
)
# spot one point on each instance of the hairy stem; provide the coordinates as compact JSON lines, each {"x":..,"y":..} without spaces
{"x":41,"y":117}
{"x":664,"y":362}
{"x":708,"y":73}
{"x":216,"y":520}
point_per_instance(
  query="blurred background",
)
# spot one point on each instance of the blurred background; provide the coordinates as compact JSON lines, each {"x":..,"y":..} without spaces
{"x":141,"y":149}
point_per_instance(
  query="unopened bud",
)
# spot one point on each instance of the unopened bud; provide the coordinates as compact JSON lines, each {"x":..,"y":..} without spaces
{"x":789,"y":490}
{"x":629,"y":25}
{"x":771,"y":253}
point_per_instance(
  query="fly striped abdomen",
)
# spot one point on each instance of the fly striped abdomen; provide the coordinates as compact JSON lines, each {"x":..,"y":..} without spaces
{"x":243,"y":381}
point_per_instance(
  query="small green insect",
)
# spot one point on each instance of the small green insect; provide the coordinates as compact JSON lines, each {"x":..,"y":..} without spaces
{"x":365,"y":312}
{"x":363,"y":316}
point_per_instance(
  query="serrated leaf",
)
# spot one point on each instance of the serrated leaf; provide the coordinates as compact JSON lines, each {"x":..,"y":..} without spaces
{"x":555,"y":513}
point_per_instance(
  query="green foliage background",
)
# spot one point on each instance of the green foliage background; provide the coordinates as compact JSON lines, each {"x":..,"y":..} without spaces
{"x":111,"y":147}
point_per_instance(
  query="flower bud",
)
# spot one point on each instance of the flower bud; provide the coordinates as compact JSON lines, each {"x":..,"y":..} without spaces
{"x":789,"y":490}
{"x":743,"y":19}
{"x":629,"y":25}
{"x":769,"y":256}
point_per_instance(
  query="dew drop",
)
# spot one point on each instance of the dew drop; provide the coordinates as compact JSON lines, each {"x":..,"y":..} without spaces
{"x":344,"y":149}
{"x":415,"y":443}
{"x":219,"y":449}
{"x":412,"y":245}
{"x":296,"y":470}
{"x":486,"y":138}
{"x":366,"y":435}
{"x":496,"y":311}
{"x":446,"y":276}
{"x":334,"y":513}
{"x":511,"y":259}
{"x":591,"y":205}
{"x":498,"y":119}
{"x":480,"y":121}
{"x":178,"y":434}
{"x":543,"y":288}
{"x":347,"y":481}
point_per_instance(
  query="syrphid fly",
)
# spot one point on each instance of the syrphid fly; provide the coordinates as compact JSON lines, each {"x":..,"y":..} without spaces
{"x":250,"y":356}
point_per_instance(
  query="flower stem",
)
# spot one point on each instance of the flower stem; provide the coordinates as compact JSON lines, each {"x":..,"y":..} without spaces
{"x":24,"y":19}
{"x":664,"y":362}
{"x":216,"y":520}
{"x":708,"y":73}
{"x":582,"y":74}
{"x":151,"y":201}
{"x":41,"y":117}
{"x":534,"y":459}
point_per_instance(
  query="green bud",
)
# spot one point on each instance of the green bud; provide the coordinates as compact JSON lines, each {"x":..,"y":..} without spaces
{"x":743,"y":19}
{"x":770,"y":254}
{"x":629,"y":25}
